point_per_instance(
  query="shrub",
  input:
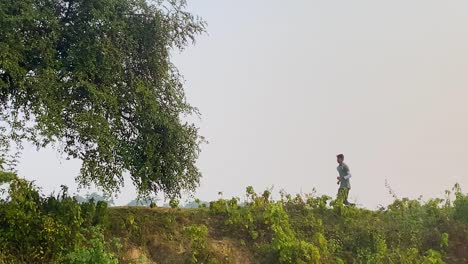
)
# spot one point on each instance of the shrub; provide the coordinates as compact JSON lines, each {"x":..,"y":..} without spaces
{"x":94,"y":251}
{"x":39,"y":229}
{"x":197,"y":236}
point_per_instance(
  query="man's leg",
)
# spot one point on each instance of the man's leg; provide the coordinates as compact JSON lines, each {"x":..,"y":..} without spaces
{"x":342,"y":196}
{"x":345,"y":195}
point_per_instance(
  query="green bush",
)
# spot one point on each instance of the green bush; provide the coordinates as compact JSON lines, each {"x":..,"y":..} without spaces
{"x":38,"y":229}
{"x":94,"y":251}
{"x":262,"y":220}
{"x":199,"y":246}
{"x":460,"y":205}
{"x":314,"y":229}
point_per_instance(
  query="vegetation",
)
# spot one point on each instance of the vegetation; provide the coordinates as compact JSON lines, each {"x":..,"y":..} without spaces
{"x":299,"y":229}
{"x":144,"y":202}
{"x":294,"y":229}
{"x":96,"y":78}
{"x":54,"y":229}
{"x":96,"y":197}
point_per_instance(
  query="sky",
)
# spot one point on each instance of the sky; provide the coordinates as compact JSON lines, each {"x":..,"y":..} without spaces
{"x":284,"y":86}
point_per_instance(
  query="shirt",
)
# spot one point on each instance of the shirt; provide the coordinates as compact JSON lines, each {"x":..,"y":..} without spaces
{"x":343,"y":171}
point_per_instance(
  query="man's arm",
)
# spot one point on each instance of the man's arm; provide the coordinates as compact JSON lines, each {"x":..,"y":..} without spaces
{"x":348,"y":175}
{"x":339,"y":178}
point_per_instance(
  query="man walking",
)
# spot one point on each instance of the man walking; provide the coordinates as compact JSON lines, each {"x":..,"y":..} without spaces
{"x":343,"y":179}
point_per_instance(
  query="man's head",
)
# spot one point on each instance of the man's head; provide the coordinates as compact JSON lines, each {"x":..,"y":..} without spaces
{"x":340,"y":158}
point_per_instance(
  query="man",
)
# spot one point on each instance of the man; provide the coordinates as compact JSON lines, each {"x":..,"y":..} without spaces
{"x":343,"y":179}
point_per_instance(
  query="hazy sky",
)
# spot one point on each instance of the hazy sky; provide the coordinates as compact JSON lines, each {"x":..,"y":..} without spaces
{"x":284,"y":86}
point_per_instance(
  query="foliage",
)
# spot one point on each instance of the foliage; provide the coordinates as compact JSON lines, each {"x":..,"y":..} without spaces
{"x":38,"y":229}
{"x":460,"y":205}
{"x":95,"y":252}
{"x":316,"y":229}
{"x":97,"y":78}
{"x":174,"y":203}
{"x":293,"y":229}
{"x":266,"y":221}
{"x":96,"y":197}
{"x":197,"y":235}
{"x":141,"y":202}
{"x":197,"y":203}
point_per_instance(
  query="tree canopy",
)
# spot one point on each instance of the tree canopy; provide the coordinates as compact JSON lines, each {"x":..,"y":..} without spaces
{"x":94,"y":79}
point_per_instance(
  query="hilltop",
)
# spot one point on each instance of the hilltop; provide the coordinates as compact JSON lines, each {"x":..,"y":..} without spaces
{"x":301,"y":229}
{"x":294,"y":229}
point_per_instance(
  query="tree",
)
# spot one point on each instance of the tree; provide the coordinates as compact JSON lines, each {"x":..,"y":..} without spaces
{"x":144,"y":202}
{"x":94,"y":79}
{"x":96,"y":197}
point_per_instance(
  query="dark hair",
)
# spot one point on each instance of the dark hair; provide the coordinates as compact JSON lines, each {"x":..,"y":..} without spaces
{"x":340,"y":156}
